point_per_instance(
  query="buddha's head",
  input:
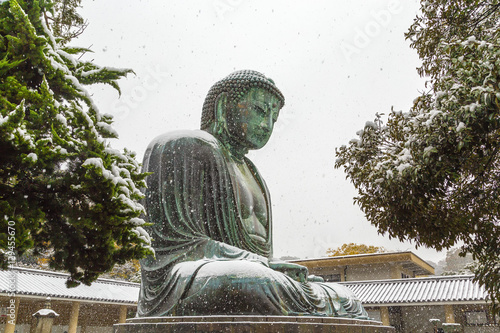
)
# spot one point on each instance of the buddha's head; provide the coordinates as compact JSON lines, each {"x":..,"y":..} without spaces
{"x":241,"y":109}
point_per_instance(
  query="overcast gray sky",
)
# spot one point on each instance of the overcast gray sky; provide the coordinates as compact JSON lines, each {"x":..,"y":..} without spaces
{"x":336,"y":62}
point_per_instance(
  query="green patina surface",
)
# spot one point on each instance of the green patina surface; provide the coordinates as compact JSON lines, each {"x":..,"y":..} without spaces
{"x":211,"y":220}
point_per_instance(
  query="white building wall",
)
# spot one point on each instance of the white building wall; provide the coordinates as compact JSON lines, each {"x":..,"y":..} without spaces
{"x":370,"y":272}
{"x":364,"y":272}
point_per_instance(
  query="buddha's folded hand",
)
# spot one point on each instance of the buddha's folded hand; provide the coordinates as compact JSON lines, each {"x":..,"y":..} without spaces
{"x":297,"y":272}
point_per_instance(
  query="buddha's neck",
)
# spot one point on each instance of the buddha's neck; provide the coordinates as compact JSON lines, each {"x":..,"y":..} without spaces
{"x":236,"y":150}
{"x":237,"y":154}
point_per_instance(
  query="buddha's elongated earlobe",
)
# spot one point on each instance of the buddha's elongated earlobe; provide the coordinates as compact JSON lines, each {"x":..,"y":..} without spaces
{"x":219,"y":125}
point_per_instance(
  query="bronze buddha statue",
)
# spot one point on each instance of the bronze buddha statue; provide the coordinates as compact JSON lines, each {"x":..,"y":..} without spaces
{"x":210,"y":216}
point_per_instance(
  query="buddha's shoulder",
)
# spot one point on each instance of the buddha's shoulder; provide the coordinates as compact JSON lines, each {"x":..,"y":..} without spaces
{"x":186,"y":139}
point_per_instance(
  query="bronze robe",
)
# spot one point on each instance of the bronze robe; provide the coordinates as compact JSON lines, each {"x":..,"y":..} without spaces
{"x":206,"y":262}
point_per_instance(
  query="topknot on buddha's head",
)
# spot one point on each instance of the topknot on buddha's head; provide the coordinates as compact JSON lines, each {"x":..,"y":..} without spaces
{"x":236,"y":85}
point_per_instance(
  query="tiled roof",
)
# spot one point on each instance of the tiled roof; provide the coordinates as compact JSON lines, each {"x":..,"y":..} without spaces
{"x":437,"y":289}
{"x":38,"y":283}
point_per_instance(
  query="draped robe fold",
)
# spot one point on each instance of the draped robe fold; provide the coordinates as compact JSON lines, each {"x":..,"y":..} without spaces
{"x":206,"y":262}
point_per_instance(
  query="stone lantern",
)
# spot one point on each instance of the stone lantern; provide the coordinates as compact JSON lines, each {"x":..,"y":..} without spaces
{"x":45,"y":318}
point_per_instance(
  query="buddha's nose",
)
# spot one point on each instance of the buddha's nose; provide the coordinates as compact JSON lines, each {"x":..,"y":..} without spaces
{"x":266,"y":127}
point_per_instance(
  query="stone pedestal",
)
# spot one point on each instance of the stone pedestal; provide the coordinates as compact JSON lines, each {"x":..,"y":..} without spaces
{"x":257,"y":324}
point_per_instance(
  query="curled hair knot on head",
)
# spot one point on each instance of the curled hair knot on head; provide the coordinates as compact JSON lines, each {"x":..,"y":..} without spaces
{"x":236,"y":85}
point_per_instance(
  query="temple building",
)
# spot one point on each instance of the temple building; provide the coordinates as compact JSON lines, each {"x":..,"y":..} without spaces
{"x":373,"y":266}
{"x":409,"y":304}
{"x":84,"y":309}
{"x":400,"y":289}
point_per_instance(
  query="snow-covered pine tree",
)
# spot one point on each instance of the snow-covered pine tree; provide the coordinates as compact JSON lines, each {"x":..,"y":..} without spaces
{"x":62,"y":186}
{"x":431,"y":175}
{"x":64,"y":20}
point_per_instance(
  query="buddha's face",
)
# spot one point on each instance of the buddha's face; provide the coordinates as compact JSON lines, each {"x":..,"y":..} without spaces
{"x":250,"y":123}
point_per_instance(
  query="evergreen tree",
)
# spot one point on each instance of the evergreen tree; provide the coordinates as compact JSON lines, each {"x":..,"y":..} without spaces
{"x":62,"y":187}
{"x":130,"y":271}
{"x":64,"y":19}
{"x":431,"y":175}
{"x":455,"y":264}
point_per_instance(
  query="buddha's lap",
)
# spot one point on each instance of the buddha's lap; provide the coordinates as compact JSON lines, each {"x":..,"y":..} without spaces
{"x":239,"y":287}
{"x":250,"y":287}
{"x":246,"y":278}
{"x":228,"y":274}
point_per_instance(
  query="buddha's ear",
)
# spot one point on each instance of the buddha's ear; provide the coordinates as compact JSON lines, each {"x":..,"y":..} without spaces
{"x":220,"y":111}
